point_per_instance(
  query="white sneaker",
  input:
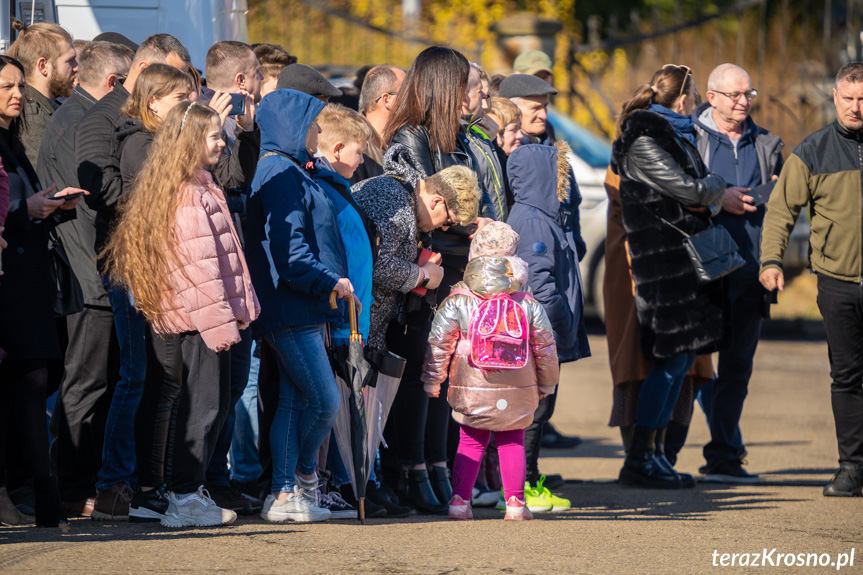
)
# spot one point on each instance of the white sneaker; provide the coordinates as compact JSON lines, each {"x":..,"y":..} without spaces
{"x":301,"y":505}
{"x":195,"y":510}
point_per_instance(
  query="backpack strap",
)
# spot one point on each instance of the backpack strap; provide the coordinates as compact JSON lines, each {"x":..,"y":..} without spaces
{"x":464,"y":291}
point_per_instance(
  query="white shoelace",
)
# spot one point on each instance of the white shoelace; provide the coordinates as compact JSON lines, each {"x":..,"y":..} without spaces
{"x":204,"y":496}
{"x":334,"y":498}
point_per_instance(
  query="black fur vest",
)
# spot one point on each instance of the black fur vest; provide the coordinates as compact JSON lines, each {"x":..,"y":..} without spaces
{"x":675,"y":313}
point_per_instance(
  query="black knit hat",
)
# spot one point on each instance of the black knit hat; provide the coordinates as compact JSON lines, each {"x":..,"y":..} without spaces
{"x":304,"y":79}
{"x":116,"y":38}
{"x":524,"y":86}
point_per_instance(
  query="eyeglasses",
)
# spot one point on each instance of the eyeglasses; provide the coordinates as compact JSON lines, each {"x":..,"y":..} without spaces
{"x":449,"y":219}
{"x":385,"y":94}
{"x":685,"y":76}
{"x":735,"y":96}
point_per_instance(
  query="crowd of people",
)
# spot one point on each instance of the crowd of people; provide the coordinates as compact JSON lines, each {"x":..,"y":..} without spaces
{"x":182,"y":249}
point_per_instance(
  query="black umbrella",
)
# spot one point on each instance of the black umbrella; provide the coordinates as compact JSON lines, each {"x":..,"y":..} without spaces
{"x":354,"y":372}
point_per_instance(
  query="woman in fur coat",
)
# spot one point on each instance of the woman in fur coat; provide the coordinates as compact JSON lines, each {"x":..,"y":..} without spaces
{"x":662,"y":177}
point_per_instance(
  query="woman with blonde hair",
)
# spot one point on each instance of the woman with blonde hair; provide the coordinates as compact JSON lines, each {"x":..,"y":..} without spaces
{"x":176,"y":252}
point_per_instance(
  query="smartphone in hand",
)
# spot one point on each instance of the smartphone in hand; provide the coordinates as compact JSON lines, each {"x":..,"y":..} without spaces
{"x":238,"y":105}
{"x":66,"y":197}
{"x":762,"y":193}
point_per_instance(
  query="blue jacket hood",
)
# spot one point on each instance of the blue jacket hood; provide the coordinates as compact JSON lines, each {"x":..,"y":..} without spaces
{"x":540,"y":176}
{"x":284,"y":117}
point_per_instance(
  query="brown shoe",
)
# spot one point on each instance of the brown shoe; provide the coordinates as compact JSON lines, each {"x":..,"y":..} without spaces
{"x":80,"y":508}
{"x":113,"y":504}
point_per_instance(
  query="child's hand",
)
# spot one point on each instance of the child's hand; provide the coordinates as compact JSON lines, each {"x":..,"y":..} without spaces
{"x":542,"y":395}
{"x":433,"y":394}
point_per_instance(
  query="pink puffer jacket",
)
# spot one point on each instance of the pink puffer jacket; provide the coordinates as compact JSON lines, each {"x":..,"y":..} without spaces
{"x":212,"y":293}
{"x":497,"y":400}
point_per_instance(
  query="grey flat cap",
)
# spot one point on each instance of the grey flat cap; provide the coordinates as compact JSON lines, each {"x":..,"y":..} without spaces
{"x":524,"y":86}
{"x":116,"y":38}
{"x":305,"y":79}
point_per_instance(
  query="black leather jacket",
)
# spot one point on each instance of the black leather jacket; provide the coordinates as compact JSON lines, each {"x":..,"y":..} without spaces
{"x":455,"y":240}
{"x":648,"y":162}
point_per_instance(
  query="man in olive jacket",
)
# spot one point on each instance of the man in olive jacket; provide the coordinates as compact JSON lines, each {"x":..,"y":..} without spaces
{"x":825,"y":171}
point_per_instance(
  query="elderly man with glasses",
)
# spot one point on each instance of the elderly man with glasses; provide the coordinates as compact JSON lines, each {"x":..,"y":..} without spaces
{"x":746,"y":156}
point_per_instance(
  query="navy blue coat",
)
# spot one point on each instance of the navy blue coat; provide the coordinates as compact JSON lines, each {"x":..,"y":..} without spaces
{"x":757,"y":157}
{"x":545,"y":215}
{"x":293,"y":246}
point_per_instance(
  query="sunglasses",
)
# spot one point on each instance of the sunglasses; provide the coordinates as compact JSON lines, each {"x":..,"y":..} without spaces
{"x":685,"y":76}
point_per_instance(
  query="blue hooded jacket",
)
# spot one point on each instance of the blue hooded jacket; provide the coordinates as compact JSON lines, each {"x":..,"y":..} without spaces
{"x":545,"y":215}
{"x":293,"y":247}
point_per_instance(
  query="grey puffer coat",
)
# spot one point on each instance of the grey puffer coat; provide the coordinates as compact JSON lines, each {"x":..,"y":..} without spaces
{"x":390,"y":200}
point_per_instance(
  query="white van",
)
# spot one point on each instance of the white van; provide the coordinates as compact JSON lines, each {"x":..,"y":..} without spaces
{"x":198,"y":24}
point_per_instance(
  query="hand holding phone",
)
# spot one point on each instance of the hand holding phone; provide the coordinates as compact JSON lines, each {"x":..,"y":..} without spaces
{"x":238,"y":105}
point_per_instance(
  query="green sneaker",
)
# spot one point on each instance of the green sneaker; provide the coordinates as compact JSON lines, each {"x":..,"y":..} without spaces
{"x":537,"y":501}
{"x":558,"y":503}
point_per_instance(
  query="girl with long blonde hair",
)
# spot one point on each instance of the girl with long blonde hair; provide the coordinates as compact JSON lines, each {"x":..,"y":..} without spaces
{"x":177,"y":253}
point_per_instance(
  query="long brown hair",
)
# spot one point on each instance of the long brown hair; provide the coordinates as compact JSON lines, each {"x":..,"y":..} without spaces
{"x":432,"y":96}
{"x":665,"y":88}
{"x":156,"y":81}
{"x":142,"y":249}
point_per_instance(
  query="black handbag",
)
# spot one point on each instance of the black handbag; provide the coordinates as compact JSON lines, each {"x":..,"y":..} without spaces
{"x":713,"y":252}
{"x":68,"y":295}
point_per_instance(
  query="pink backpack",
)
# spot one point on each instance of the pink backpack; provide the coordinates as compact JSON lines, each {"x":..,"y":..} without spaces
{"x":499,"y":332}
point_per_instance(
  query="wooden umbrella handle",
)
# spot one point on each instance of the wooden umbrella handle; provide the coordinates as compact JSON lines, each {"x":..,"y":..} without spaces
{"x":352,"y":311}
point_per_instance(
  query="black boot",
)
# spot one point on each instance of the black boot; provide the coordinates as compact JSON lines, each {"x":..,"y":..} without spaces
{"x":686,"y":480}
{"x":48,"y":510}
{"x":640,"y":466}
{"x":402,"y":487}
{"x":441,"y":484}
{"x":394,"y":510}
{"x":421,"y":495}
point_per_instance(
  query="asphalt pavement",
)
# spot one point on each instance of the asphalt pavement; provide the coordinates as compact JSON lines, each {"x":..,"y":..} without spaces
{"x":777,"y":526}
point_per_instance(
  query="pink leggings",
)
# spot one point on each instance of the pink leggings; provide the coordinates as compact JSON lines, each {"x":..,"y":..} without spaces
{"x":471,"y":445}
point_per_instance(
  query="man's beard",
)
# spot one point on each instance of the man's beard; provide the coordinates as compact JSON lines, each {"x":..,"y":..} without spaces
{"x":59,"y":86}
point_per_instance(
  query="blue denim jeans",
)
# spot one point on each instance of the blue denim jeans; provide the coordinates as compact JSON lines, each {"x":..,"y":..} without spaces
{"x":245,"y":465}
{"x":241,"y":353}
{"x":118,"y":450}
{"x":660,"y":389}
{"x":308,"y":402}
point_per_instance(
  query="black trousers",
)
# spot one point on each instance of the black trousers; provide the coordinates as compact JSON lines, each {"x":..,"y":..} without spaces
{"x":734,"y":370}
{"x":533,"y":435}
{"x":186,"y":420}
{"x":841,"y":304}
{"x":78,"y":422}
